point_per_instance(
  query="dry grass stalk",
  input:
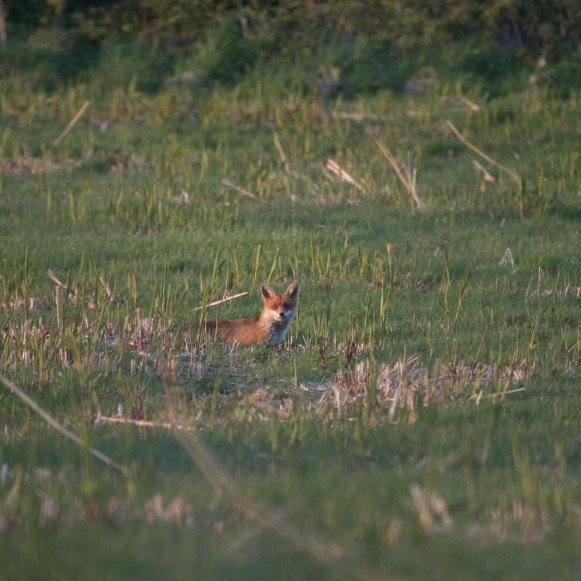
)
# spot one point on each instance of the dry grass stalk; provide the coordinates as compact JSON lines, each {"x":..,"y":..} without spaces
{"x":73,"y":294}
{"x":508,"y":261}
{"x":342,"y":175}
{"x":218,"y":478}
{"x":107,"y":288}
{"x":281,"y":153}
{"x":359,"y":117}
{"x":99,"y":420}
{"x":514,"y":175}
{"x":240,"y":190}
{"x":507,"y":392}
{"x":470,"y":104}
{"x":73,"y":122}
{"x":406,"y":175}
{"x":275,"y":517}
{"x":50,"y":273}
{"x":224,"y":300}
{"x":486,"y":176}
{"x":59,"y":427}
{"x":432,"y":511}
{"x":178,"y":512}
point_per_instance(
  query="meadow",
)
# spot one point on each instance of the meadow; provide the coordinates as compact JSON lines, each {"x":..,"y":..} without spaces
{"x":422,"y":419}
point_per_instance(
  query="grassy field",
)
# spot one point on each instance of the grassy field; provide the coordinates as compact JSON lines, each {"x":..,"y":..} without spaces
{"x":423,"y":417}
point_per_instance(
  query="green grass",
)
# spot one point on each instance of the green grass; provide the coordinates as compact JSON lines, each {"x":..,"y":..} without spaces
{"x":131,"y":213}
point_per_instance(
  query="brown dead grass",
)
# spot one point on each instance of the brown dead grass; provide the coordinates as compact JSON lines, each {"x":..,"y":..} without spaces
{"x":395,"y":391}
{"x":392,"y":391}
{"x":35,"y":165}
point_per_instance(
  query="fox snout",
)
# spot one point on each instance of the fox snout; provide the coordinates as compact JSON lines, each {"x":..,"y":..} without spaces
{"x":286,"y":316}
{"x":280,"y":315}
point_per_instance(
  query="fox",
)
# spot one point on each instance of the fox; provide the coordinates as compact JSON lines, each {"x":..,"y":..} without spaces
{"x":270,"y":326}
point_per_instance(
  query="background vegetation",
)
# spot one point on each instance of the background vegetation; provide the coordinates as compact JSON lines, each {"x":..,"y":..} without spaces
{"x":372,"y":46}
{"x":414,"y":166}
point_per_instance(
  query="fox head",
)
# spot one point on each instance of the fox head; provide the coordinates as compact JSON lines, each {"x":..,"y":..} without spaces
{"x":279,"y":309}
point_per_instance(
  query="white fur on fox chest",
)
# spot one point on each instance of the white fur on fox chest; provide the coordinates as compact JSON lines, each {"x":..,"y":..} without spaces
{"x":278,"y":328}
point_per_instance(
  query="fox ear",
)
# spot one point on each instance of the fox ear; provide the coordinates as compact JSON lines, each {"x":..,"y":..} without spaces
{"x":293,"y":290}
{"x":266,"y":292}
